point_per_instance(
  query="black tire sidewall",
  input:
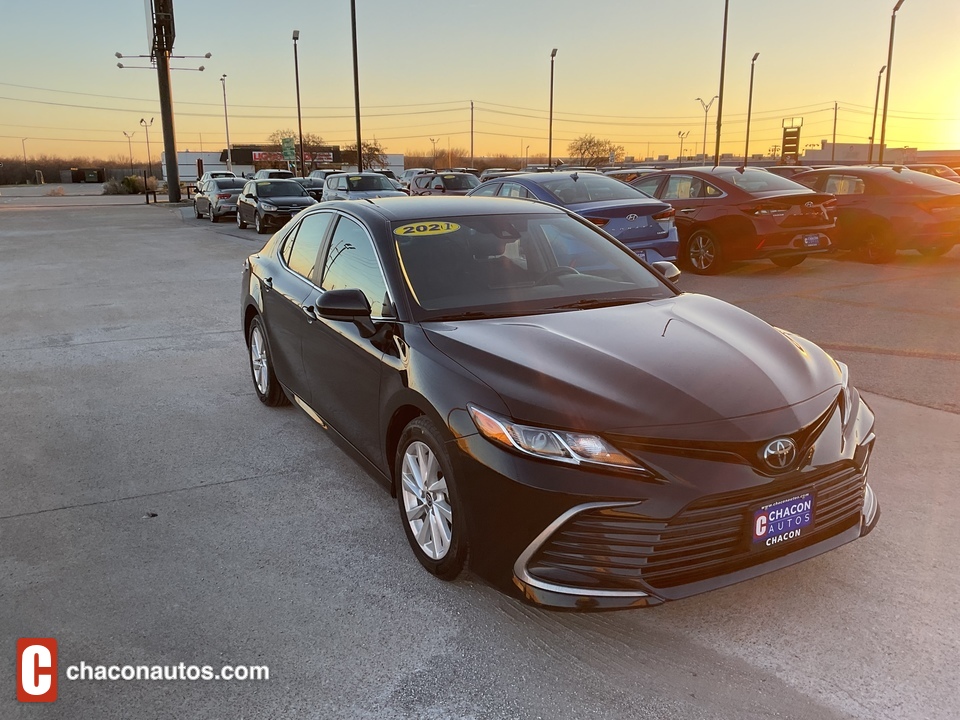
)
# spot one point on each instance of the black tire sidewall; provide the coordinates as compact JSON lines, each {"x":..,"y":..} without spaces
{"x":452,"y":564}
{"x":274,"y":395}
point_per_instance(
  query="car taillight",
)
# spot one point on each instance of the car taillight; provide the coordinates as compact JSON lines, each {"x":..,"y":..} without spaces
{"x":223,"y":196}
{"x":667,"y":214}
{"x":599,"y":222}
{"x":763,"y":209}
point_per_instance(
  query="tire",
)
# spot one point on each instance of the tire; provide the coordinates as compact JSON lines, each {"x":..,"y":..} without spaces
{"x":788,"y":261}
{"x":935,"y":250}
{"x":261,"y":366}
{"x":258,"y":224}
{"x":240,"y":223}
{"x":702,"y":254}
{"x":430,"y":509}
{"x":196,"y":210}
{"x":876,"y":247}
{"x":213,"y":215}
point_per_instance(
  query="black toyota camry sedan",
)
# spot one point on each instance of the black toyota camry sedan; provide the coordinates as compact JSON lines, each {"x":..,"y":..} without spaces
{"x":544,"y":403}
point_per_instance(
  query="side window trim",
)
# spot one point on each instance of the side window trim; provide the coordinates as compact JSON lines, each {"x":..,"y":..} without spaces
{"x":325,"y":251}
{"x":291,"y":238}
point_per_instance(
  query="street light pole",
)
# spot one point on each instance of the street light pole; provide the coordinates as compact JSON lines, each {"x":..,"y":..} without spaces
{"x":553,"y":55}
{"x":23,"y":144}
{"x":682,"y":135}
{"x":746,"y":149}
{"x":434,"y":141}
{"x":130,"y":147}
{"x":876,"y":105}
{"x":146,"y":127}
{"x":886,"y":92}
{"x":706,"y":112}
{"x":296,"y":72}
{"x":723,"y":65}
{"x":356,"y":83}
{"x":226,"y":123}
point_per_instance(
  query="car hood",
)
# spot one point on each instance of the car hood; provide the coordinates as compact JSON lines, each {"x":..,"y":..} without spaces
{"x":650,"y":368}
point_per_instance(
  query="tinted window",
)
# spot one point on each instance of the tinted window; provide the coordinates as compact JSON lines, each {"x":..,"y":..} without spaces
{"x":368,"y":182}
{"x":682,"y":187}
{"x":352,"y":263}
{"x":488,"y":189}
{"x":460,"y":182}
{"x":587,"y":187}
{"x":838,"y":184}
{"x":266,"y":189}
{"x":229,"y":183}
{"x":300,"y":250}
{"x":648,"y":185}
{"x":515,"y":190}
{"x":753,"y":180}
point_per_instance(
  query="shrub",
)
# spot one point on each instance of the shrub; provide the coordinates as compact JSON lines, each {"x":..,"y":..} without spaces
{"x":112,"y":187}
{"x":55,"y":192}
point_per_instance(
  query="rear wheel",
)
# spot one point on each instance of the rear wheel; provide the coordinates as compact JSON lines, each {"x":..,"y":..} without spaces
{"x":702,"y":254}
{"x":877,"y":247}
{"x":261,"y":366}
{"x":196,"y":210}
{"x":213,"y":215}
{"x":428,"y":500}
{"x":935,"y":250}
{"x":788,"y":261}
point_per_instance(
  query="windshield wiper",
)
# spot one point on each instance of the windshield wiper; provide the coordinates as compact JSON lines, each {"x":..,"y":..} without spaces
{"x":587,"y":303}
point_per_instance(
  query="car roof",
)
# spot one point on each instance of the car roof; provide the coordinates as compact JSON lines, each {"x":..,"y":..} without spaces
{"x":398,"y":209}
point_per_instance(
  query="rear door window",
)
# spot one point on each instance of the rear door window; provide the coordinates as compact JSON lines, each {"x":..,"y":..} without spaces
{"x":302,"y":246}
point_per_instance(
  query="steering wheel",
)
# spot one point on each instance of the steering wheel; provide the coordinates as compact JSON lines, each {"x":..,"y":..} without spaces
{"x":556,"y":272}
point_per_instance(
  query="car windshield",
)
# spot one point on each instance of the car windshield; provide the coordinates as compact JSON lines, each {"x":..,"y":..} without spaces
{"x":460,"y":182}
{"x":516,"y":265}
{"x":587,"y":187}
{"x":288,"y":188}
{"x":369,"y":182}
{"x":759,"y":181}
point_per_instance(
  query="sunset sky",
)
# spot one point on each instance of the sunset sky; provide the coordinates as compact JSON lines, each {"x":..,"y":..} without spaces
{"x":626,"y":71}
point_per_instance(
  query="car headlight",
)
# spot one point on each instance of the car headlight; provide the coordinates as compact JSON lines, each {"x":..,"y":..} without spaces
{"x":269,"y":207}
{"x":563,"y":446}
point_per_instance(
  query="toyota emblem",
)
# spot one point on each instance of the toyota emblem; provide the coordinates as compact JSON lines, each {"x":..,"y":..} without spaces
{"x":631,"y":217}
{"x":780,"y":454}
{"x":808,"y":204}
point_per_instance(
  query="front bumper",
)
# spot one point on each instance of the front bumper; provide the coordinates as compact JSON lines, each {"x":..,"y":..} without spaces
{"x":569,"y":538}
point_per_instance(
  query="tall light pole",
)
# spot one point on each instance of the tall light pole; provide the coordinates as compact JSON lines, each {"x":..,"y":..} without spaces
{"x":723,"y":65}
{"x":296,"y":72}
{"x":23,"y":144}
{"x":886,"y":92}
{"x":434,"y":141}
{"x":226,"y":123}
{"x":553,"y":55}
{"x":146,"y":127}
{"x":130,"y":147}
{"x":706,"y":111}
{"x":746,"y":148}
{"x":682,"y":135}
{"x":876,"y":105}
{"x":356,"y":83}
{"x":526,"y":156}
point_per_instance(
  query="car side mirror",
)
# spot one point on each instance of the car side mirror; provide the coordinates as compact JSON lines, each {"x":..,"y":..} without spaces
{"x":347,"y":304}
{"x":248,"y":195}
{"x":669,"y":271}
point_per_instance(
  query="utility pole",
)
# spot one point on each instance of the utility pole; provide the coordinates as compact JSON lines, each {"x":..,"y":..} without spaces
{"x":723,"y":65}
{"x":146,"y":127}
{"x":356,"y":83}
{"x":130,"y":147}
{"x":886,"y":92}
{"x":226,"y":123}
{"x":833,"y":145}
{"x":296,"y":72}
{"x":682,"y":135}
{"x":471,"y":134}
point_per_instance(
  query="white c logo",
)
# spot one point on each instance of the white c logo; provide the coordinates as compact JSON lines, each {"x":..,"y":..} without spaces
{"x":32,"y":682}
{"x":761,"y":529}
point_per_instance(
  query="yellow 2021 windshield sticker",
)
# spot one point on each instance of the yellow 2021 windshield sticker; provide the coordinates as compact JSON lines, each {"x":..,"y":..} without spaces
{"x":427,"y":227}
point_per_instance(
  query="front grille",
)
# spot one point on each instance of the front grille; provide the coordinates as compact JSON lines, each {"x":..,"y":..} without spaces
{"x":614,"y":548}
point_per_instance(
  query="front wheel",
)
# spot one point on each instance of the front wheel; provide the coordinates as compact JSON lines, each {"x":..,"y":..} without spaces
{"x":240,"y":223}
{"x":261,"y":366}
{"x":702,"y":254}
{"x":935,"y":250}
{"x":429,"y":503}
{"x":258,"y":224}
{"x":877,"y":247}
{"x":788,"y":261}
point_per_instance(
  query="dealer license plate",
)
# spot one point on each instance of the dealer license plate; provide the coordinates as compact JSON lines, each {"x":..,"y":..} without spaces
{"x":811,"y":240}
{"x":782,"y":521}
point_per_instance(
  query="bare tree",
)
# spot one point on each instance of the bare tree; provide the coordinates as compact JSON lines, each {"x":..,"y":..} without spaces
{"x":374,"y":154}
{"x":311,"y":141}
{"x":594,"y":151}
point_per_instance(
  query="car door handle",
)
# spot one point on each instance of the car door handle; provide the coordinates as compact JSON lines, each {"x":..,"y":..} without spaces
{"x":688,"y":210}
{"x":268,"y":284}
{"x":309,"y":312}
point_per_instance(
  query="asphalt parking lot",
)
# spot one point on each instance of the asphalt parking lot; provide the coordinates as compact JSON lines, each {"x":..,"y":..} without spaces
{"x":153,"y":512}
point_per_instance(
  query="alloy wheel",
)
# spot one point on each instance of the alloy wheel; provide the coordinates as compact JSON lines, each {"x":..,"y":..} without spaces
{"x":426,"y":500}
{"x":258,"y":360}
{"x":702,"y":252}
